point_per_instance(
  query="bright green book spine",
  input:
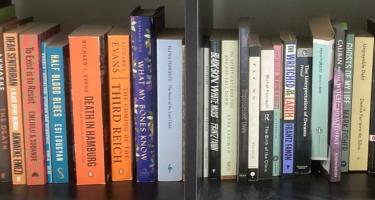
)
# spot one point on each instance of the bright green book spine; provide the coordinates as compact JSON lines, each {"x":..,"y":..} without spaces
{"x":7,"y":12}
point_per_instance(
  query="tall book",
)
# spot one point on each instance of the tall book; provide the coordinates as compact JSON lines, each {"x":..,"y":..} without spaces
{"x":289,"y":107}
{"x":206,"y":101}
{"x":302,"y":154}
{"x":14,"y":94}
{"x":371,"y":151}
{"x":229,"y":105}
{"x":347,"y":110}
{"x":145,"y":25}
{"x":254,"y":94}
{"x":32,"y":100}
{"x":278,"y":104}
{"x":170,"y":83}
{"x":57,"y":62}
{"x":362,"y":78}
{"x":323,"y":41}
{"x":243,"y":112}
{"x":267,"y":65}
{"x":120,"y":104}
{"x":88,"y":60}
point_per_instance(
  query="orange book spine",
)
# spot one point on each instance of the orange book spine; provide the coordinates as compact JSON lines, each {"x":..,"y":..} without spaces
{"x":86,"y":93}
{"x":13,"y":80}
{"x":120,"y":107}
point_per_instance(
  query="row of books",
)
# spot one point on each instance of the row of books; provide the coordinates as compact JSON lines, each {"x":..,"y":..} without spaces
{"x":273,"y":104}
{"x":100,"y":102}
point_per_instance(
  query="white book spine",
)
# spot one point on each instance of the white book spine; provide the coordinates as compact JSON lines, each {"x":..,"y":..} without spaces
{"x":206,"y":52}
{"x":267,"y":80}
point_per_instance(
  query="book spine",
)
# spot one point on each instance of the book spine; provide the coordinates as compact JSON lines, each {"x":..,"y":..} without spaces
{"x":87,"y":108}
{"x":289,"y":107}
{"x":229,"y":108}
{"x":303,"y":111}
{"x":16,"y":134}
{"x":5,"y":166}
{"x":214,"y":109}
{"x":144,"y":92}
{"x":278,"y":97}
{"x":206,"y":101}
{"x":320,"y":98}
{"x":170,"y":97}
{"x":371,"y":150}
{"x":266,"y":114}
{"x":32,"y":103}
{"x":348,"y":84}
{"x":243,"y":118}
{"x":362,"y":77}
{"x":46,"y":113}
{"x":56,"y":63}
{"x":254,"y":94}
{"x":120,"y":107}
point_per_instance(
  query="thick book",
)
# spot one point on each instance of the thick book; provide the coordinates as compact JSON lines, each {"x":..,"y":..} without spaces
{"x":120,"y":104}
{"x":206,"y":107}
{"x":267,"y":65}
{"x":323,"y":41}
{"x":371,"y":150}
{"x":14,"y":94}
{"x":361,"y":103}
{"x":254,"y":94}
{"x":302,"y":153}
{"x":289,"y":104}
{"x":32,"y":100}
{"x":89,"y":89}
{"x":170,"y":84}
{"x":145,"y":25}
{"x":347,"y":109}
{"x":229,"y":105}
{"x":57,"y":64}
{"x":243,"y":112}
{"x":278,"y":104}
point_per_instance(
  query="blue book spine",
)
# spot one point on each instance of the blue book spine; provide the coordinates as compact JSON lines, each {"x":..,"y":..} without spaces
{"x":56,"y":57}
{"x":46,"y":113}
{"x":144,"y":93}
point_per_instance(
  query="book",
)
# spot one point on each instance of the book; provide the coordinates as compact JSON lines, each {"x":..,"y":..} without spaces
{"x":302,"y":154}
{"x":57,"y":62}
{"x":267,"y":65}
{"x":254,"y":94}
{"x":170,"y":84}
{"x":32,"y":102}
{"x":371,"y":150}
{"x":13,"y":87}
{"x":243,"y":111}
{"x":120,"y":104}
{"x":347,"y":110}
{"x":323,"y":41}
{"x":229,"y":105}
{"x":88,"y":61}
{"x":145,"y":25}
{"x":7,"y":12}
{"x":206,"y":105}
{"x":289,"y":107}
{"x":278,"y":104}
{"x":362,"y":78}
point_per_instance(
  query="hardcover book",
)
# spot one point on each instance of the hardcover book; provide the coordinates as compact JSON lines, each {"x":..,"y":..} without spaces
{"x":362,"y":78}
{"x":170,"y":83}
{"x":13,"y":80}
{"x":120,"y":104}
{"x":302,"y":152}
{"x":145,"y":25}
{"x":289,"y":108}
{"x":206,"y":101}
{"x":323,"y":41}
{"x":32,"y":102}
{"x":87,"y":50}
{"x":371,"y":151}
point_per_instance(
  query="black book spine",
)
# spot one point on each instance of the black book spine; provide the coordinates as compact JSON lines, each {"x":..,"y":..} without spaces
{"x":243,"y":138}
{"x":303,"y":111}
{"x":266,"y":144}
{"x":371,"y":149}
{"x":214,"y":109}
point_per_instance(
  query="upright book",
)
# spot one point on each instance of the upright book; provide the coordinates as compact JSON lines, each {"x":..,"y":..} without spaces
{"x":170,"y":83}
{"x":323,"y":41}
{"x":120,"y":104}
{"x":362,"y":78}
{"x":206,"y":98}
{"x":371,"y":150}
{"x":87,"y":49}
{"x":145,"y":25}
{"x":289,"y":107}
